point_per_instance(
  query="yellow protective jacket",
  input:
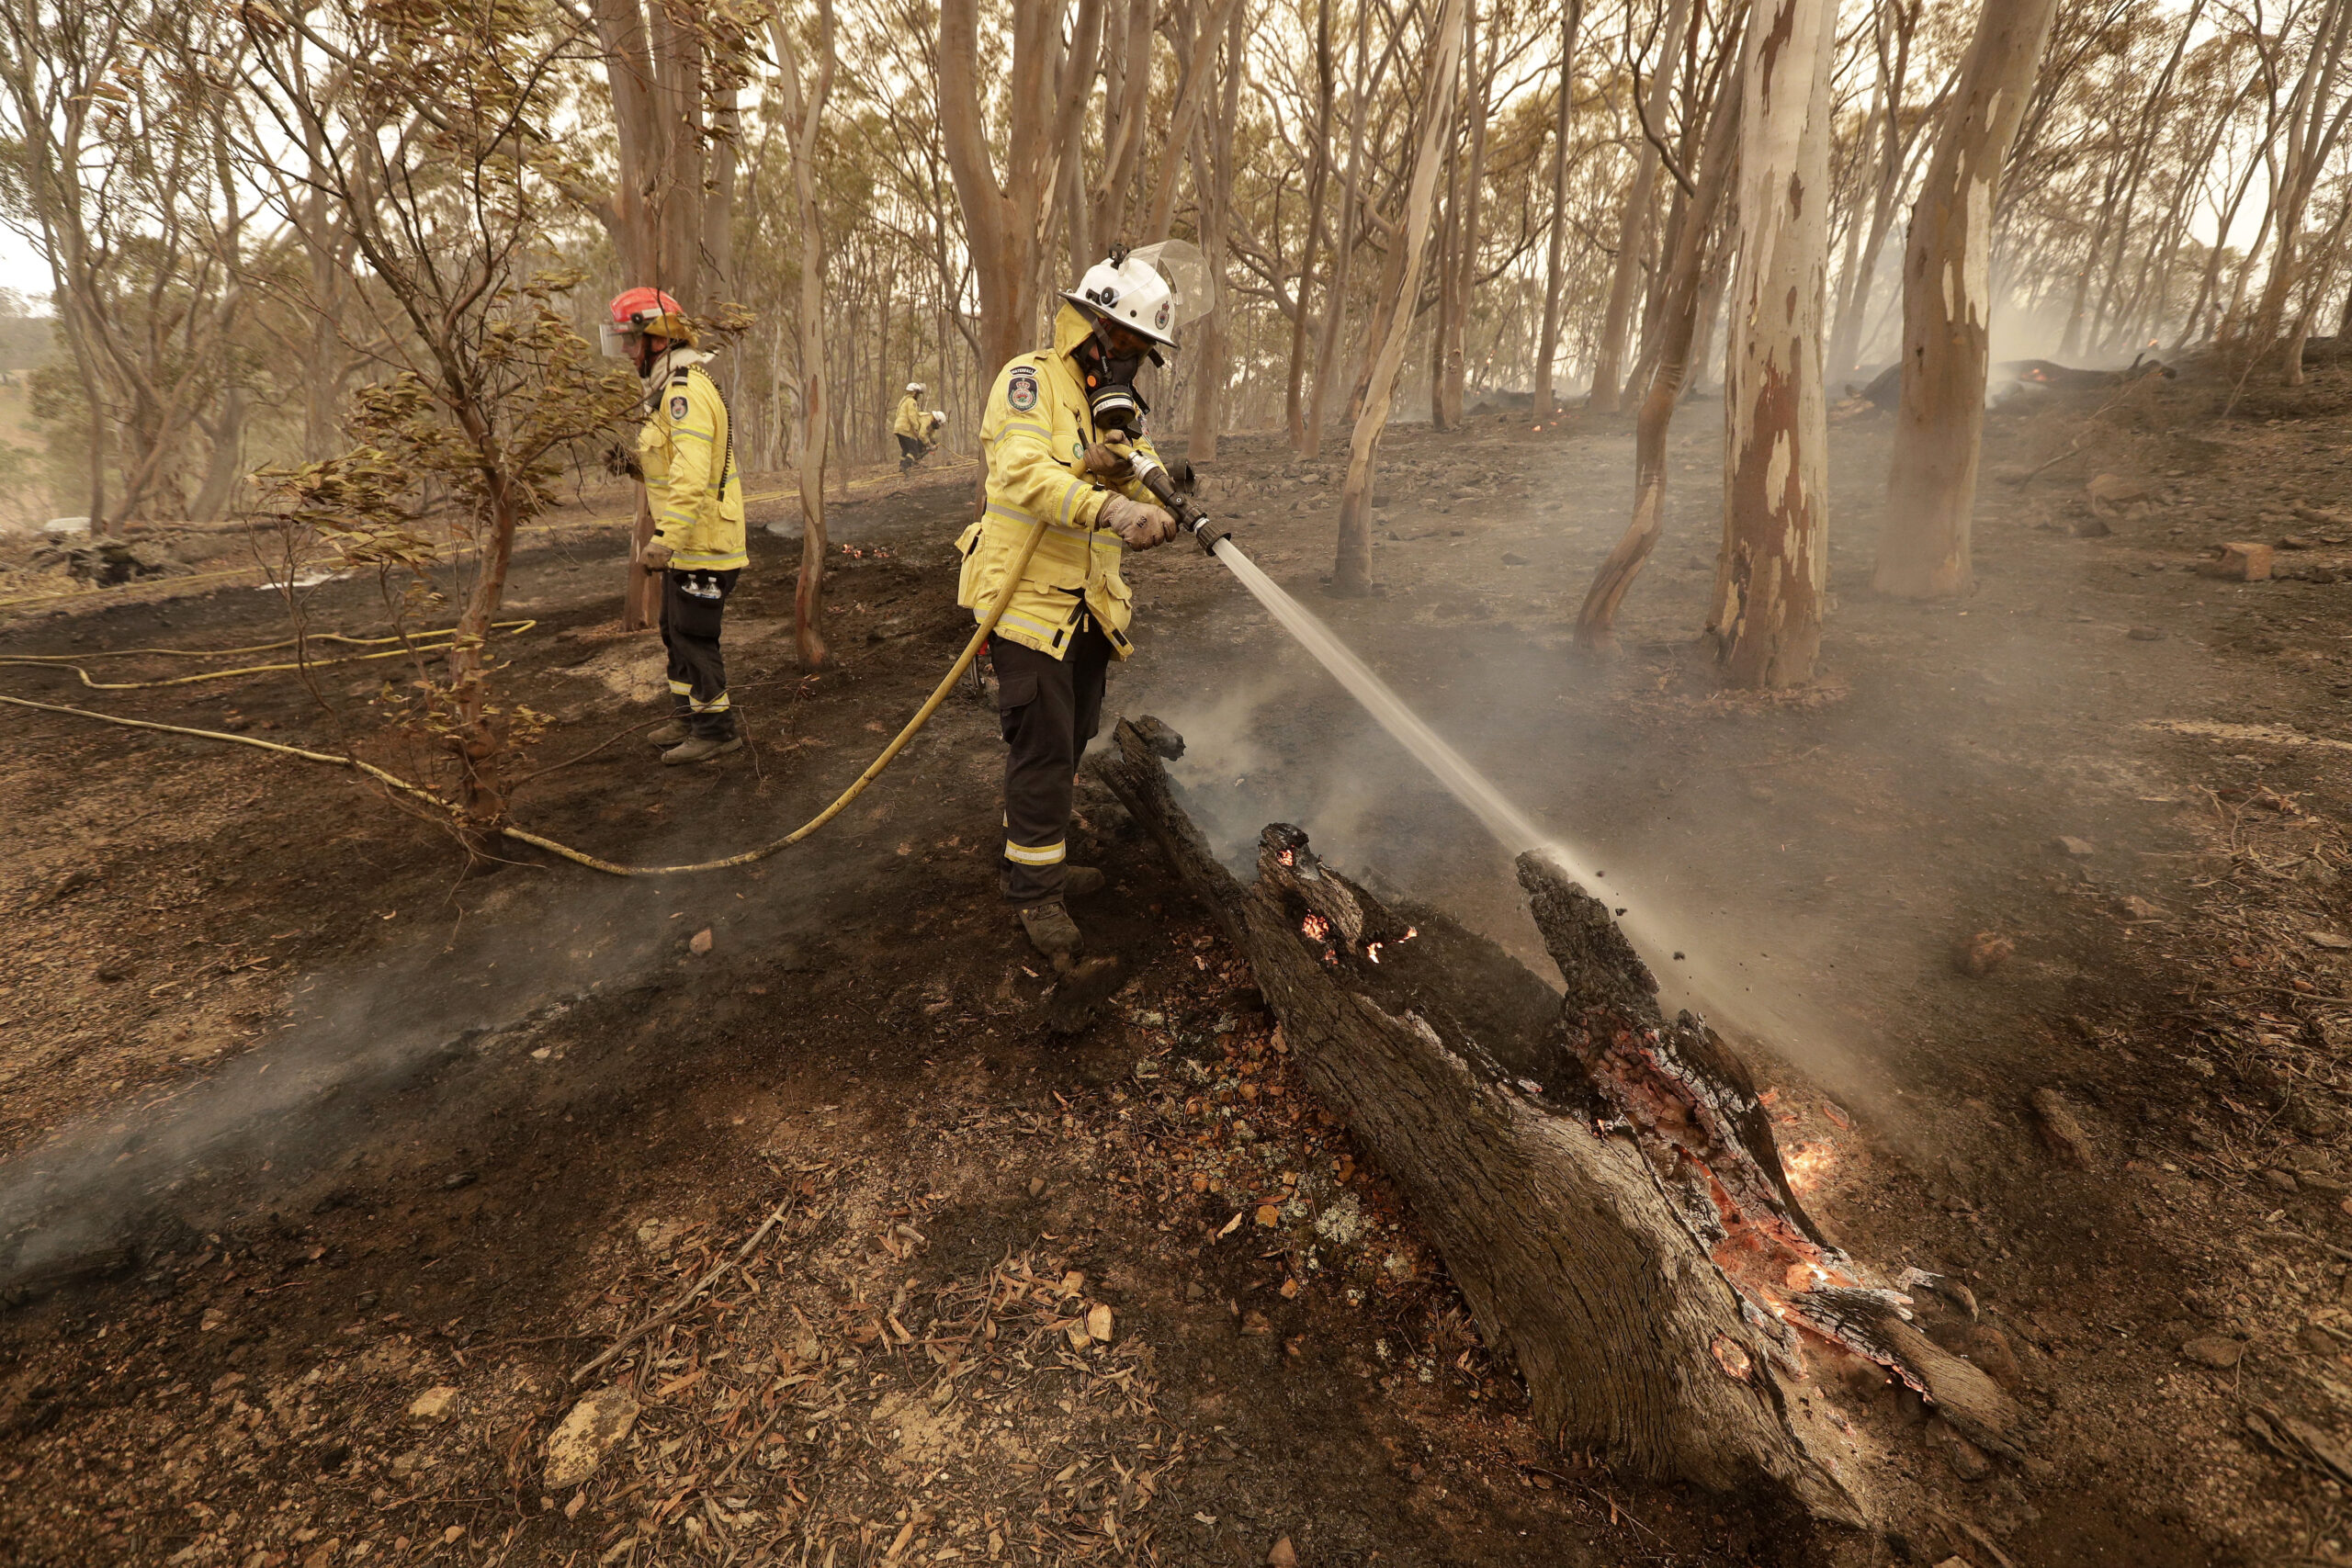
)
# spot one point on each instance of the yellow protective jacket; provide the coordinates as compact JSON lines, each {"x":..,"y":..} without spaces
{"x":911,"y":421}
{"x":1035,"y":436}
{"x":687,"y":450}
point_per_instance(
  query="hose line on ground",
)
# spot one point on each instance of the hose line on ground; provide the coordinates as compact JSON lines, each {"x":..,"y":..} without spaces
{"x":423,"y":642}
{"x":614,"y":868}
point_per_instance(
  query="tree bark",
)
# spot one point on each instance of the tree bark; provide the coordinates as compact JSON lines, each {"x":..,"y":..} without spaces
{"x":1556,"y":258}
{"x":1335,"y":309}
{"x":1601,"y":1181}
{"x":1351,"y":571}
{"x":2142,"y":141}
{"x":1924,"y":542}
{"x":1003,"y":223}
{"x":1473,"y":207}
{"x":802,"y":123}
{"x":1772,"y":575}
{"x":1893,"y":79}
{"x":670,"y":213}
{"x":1216,"y":203}
{"x":1318,"y":172}
{"x":2311,"y":134}
{"x":1441,"y":329}
{"x":1633,"y":225}
{"x":1596,"y":622}
{"x":226,"y":434}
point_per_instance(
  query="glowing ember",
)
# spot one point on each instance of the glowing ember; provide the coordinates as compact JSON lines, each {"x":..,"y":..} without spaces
{"x":1287,"y":858}
{"x":1808,"y":1166}
{"x":1731,"y":1357}
{"x":1315,"y":926}
{"x":1411,"y":932}
{"x":1372,"y":953}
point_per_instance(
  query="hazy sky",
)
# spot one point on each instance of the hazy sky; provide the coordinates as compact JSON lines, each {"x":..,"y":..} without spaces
{"x":20,"y":268}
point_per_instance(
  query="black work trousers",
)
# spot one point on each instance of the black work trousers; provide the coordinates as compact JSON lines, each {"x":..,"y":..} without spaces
{"x":1048,"y":709}
{"x":694,"y":603}
{"x":910,"y":451}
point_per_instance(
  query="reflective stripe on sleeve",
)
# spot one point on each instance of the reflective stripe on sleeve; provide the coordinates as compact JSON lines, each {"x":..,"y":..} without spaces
{"x":1023,"y":518}
{"x":1042,"y":854}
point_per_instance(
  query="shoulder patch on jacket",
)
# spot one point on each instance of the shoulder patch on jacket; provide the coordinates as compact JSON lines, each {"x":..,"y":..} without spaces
{"x":678,"y":407}
{"x":1021,"y":393}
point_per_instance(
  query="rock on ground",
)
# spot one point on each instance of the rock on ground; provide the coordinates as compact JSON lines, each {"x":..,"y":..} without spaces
{"x":579,"y":1445}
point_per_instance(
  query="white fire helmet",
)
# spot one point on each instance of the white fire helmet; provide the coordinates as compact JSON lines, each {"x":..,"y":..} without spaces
{"x":914,"y":388}
{"x":1128,"y":287}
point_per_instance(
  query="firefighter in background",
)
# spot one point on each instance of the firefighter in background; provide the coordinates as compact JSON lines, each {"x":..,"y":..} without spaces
{"x":1068,"y":619}
{"x":687,"y":451}
{"x":912,"y":427}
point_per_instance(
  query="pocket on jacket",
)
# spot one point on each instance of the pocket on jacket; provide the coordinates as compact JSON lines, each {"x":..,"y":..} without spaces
{"x":968,"y":575}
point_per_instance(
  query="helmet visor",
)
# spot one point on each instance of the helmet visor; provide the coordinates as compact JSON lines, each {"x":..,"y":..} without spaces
{"x":616,"y":342}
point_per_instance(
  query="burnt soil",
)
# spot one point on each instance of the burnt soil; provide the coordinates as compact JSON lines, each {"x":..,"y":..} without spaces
{"x":332,"y":1158}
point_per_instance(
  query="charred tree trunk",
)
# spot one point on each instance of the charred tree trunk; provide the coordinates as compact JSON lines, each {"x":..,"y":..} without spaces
{"x":1601,"y":1180}
{"x":1773,"y":574}
{"x":1680,"y":313}
{"x":1924,"y":544}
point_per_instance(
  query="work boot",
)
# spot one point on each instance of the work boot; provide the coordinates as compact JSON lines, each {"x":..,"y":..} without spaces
{"x":700,"y":749}
{"x":668,"y":733}
{"x":1080,"y":881}
{"x":1051,"y":930}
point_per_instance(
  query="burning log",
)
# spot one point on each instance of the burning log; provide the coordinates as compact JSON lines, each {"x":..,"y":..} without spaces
{"x":1603,"y":1182}
{"x":2043,"y":373}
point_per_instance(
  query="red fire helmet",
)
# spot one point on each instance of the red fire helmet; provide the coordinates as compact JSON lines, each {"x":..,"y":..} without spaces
{"x":643,"y":311}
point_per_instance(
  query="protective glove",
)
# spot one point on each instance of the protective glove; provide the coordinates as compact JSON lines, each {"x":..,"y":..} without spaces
{"x":655,"y":557}
{"x":1111,"y":460}
{"x":1139,"y":528}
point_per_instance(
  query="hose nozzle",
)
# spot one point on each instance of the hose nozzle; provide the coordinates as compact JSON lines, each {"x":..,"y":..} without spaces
{"x":1189,"y":517}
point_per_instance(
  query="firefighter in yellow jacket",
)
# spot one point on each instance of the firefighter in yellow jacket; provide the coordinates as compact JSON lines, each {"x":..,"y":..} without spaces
{"x":1048,"y":461}
{"x":687,"y":451}
{"x":912,"y":427}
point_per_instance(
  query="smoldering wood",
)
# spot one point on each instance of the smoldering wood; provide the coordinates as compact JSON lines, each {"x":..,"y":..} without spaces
{"x":1600,"y":1182}
{"x":1603,"y":1182}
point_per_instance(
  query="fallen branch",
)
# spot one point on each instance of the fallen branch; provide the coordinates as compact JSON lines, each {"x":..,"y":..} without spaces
{"x":705,"y":1283}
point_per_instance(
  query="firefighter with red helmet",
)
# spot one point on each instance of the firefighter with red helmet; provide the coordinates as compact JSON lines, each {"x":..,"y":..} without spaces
{"x":687,"y":451}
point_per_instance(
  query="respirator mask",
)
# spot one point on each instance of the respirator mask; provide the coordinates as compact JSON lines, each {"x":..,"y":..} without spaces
{"x":1111,"y":396}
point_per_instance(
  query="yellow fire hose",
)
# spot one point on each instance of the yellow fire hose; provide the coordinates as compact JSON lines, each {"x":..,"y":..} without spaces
{"x":423,"y":642}
{"x":840,"y":802}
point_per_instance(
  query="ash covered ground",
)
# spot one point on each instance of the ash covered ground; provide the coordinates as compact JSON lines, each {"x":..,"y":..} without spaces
{"x":332,"y":1162}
